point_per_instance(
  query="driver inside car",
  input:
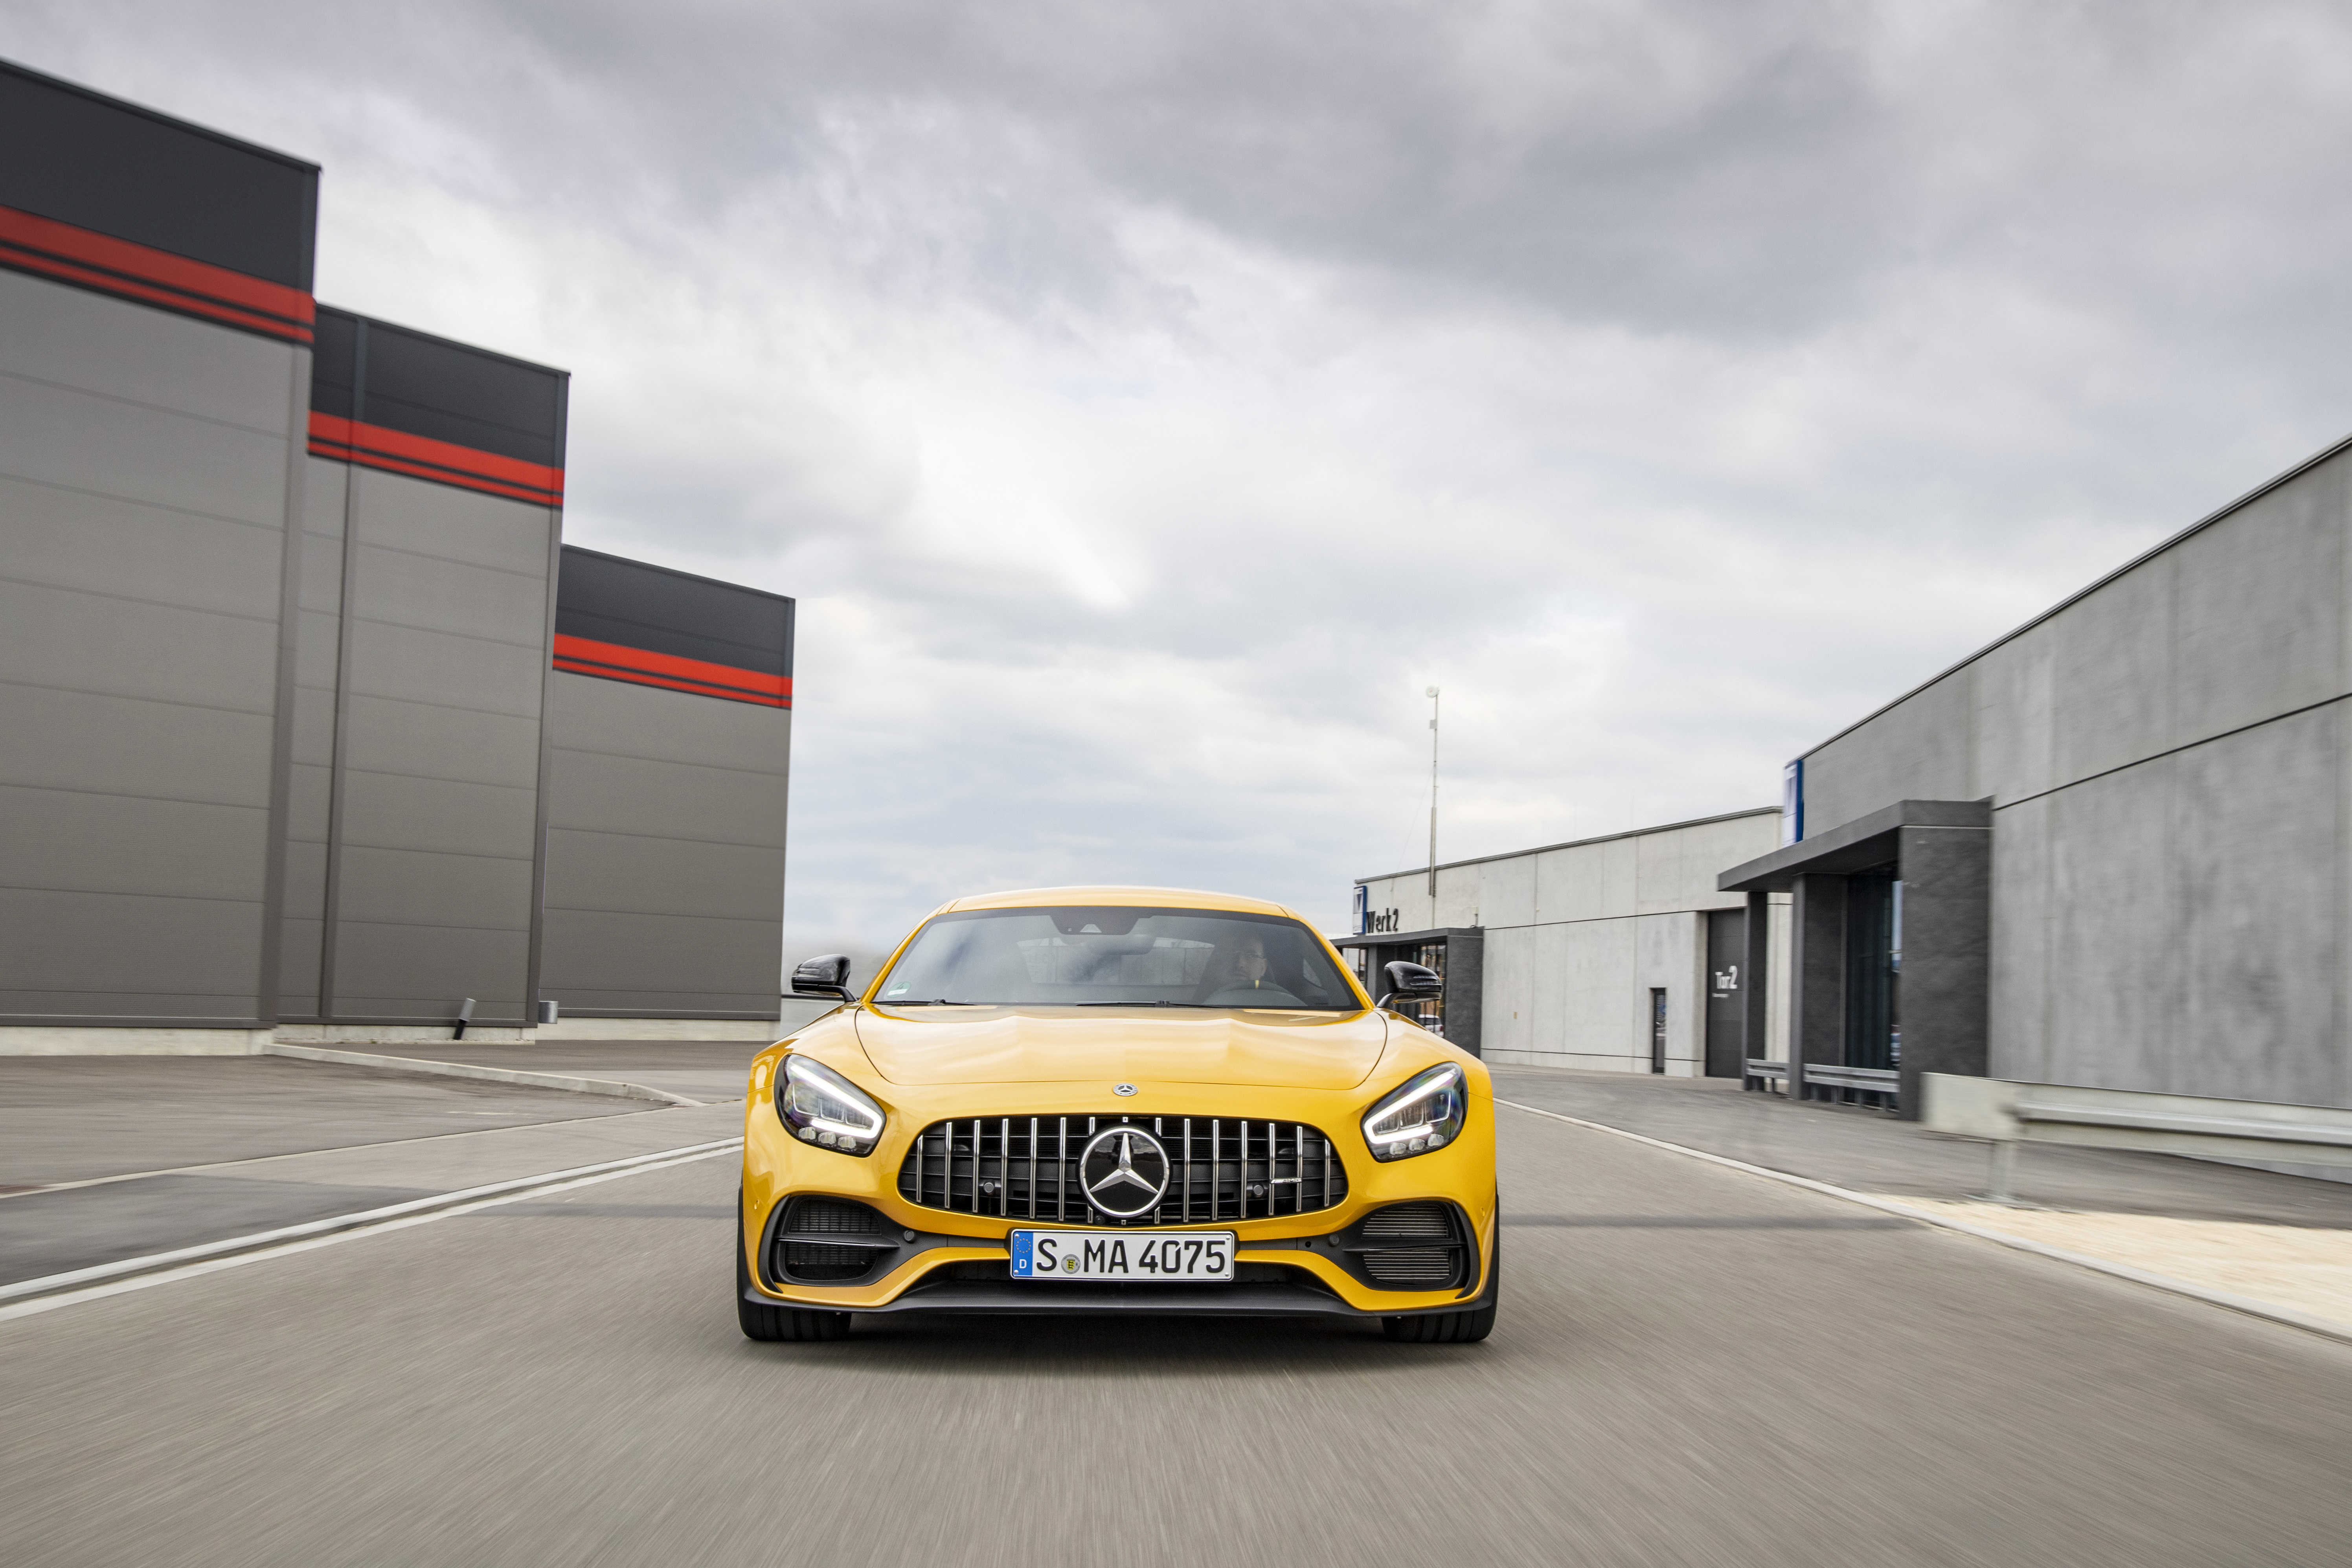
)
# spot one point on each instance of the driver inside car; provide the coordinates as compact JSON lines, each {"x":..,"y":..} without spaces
{"x":1238,"y":975}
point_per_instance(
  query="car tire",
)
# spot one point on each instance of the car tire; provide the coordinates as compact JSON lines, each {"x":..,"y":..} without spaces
{"x":1455,"y":1328}
{"x":772,"y":1325}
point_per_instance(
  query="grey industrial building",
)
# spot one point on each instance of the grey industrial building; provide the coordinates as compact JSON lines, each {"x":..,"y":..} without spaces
{"x":1612,"y":953}
{"x":2111,"y":849}
{"x":312,"y":725}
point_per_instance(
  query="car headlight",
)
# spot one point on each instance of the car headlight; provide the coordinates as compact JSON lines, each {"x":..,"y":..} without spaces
{"x":823,"y":1108}
{"x":1425,"y":1114}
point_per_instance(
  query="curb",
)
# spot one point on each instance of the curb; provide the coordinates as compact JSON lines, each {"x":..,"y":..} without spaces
{"x":606,"y":1086}
{"x":2245,"y":1305}
{"x":25,"y":1291}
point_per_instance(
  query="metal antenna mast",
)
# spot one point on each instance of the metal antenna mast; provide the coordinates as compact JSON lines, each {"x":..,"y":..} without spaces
{"x":1432,"y":805}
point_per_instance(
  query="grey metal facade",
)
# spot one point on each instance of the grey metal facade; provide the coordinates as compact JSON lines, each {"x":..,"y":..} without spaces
{"x":668,"y":794}
{"x":434,"y":638}
{"x":154,"y":367}
{"x":2167,"y":763}
{"x":278,"y":637}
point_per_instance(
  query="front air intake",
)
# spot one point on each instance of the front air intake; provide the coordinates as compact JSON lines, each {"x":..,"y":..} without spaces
{"x":1410,"y":1222}
{"x":830,"y":1241}
{"x":1421,"y":1246}
{"x":1412,"y":1267}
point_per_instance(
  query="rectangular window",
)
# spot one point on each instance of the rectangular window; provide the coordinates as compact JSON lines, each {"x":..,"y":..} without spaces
{"x":1657,"y":1029}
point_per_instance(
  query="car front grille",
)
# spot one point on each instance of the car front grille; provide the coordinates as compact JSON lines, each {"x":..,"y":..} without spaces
{"x":1026,"y":1167}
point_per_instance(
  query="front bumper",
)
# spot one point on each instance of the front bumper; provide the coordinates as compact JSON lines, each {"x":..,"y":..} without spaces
{"x":934,"y":1287}
{"x":939,"y":1260}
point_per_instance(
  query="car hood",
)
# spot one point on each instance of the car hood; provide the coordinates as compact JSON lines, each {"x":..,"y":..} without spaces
{"x":1092,"y":1045}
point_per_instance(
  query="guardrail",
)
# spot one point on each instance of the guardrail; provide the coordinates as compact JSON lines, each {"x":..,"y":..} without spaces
{"x":2007,"y":1115}
{"x":1832,"y":1080}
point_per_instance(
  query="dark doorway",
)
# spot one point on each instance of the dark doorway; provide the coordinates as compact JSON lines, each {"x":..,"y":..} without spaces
{"x":1874,"y":968}
{"x":1430,"y":1015}
{"x":1657,"y":1031}
{"x":1727,"y":1002}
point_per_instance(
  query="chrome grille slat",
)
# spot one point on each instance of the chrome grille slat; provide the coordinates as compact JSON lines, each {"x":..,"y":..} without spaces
{"x":1188,"y":1169}
{"x":970,"y":1157}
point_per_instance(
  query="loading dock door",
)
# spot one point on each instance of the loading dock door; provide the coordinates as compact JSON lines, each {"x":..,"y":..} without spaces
{"x":1727,"y":1021}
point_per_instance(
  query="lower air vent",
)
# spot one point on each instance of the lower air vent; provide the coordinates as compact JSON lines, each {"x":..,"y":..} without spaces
{"x":1412,"y":1267}
{"x":1410,"y":1222}
{"x":815,"y":1260}
{"x":806,"y":1248}
{"x":830,"y":1215}
{"x":1419,"y":1246}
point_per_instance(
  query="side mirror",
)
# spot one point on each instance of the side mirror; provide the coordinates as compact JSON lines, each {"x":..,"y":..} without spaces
{"x":1409,"y":981}
{"x":822,"y":977}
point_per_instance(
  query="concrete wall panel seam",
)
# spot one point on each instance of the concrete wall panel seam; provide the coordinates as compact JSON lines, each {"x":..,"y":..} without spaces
{"x":2175,"y":750}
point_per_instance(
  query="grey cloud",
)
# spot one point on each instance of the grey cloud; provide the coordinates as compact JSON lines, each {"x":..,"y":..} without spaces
{"x":1146,"y":401}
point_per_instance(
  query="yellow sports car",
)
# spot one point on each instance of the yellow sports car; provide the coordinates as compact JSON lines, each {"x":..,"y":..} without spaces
{"x":1116,"y":1100}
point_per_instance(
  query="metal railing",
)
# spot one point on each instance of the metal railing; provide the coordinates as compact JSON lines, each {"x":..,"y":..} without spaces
{"x":2007,"y":1115}
{"x":1828,"y":1081}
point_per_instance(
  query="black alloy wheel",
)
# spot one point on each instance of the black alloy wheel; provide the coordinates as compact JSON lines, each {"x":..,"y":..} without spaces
{"x":1455,"y":1328}
{"x":772,"y":1325}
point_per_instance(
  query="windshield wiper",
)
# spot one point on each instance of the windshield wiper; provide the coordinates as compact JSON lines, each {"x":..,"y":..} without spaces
{"x":1159,"y":1003}
{"x":929,"y":1002}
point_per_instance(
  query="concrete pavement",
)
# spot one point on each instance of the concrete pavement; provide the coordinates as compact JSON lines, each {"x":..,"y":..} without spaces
{"x":65,"y":1119}
{"x":707,"y":1071}
{"x":1693,"y":1367}
{"x":264,"y":1144}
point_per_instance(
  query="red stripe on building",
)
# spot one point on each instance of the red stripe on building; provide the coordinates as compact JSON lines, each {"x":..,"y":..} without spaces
{"x":30,"y":243}
{"x":397,"y":451}
{"x":756,"y":684}
{"x":639,"y":677}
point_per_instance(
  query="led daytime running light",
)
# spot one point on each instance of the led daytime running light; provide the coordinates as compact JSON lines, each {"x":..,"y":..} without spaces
{"x":1425,"y":1114}
{"x":821,"y":1107}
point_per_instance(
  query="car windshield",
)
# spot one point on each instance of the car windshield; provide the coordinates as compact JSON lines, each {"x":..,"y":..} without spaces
{"x":1117,"y":957}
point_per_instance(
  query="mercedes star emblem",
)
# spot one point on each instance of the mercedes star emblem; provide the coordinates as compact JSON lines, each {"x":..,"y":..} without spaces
{"x":1122,"y":1088}
{"x":1124,"y":1172}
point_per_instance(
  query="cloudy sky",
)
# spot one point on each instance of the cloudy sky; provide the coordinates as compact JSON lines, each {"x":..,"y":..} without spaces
{"x":1145,"y":402}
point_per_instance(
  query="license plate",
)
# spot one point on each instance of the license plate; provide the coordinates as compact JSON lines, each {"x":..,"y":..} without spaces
{"x":1164,"y":1257}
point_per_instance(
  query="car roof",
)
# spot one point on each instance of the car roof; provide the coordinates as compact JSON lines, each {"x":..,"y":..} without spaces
{"x":1148,"y":897}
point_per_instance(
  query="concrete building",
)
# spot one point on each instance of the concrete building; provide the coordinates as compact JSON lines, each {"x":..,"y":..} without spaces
{"x":280,"y":670}
{"x":1616,"y":953}
{"x":2113,"y":848}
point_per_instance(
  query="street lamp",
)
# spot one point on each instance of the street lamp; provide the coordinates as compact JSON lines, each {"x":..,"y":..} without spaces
{"x":1432,"y":695}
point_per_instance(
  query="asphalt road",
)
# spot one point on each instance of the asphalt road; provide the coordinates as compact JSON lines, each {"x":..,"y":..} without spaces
{"x":1693,"y":1367}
